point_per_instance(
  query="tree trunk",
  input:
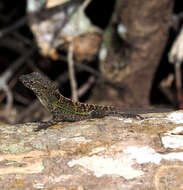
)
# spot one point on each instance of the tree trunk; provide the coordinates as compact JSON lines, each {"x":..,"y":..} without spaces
{"x":143,"y":27}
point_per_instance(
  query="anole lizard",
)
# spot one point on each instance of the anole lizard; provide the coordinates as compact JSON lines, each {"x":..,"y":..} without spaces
{"x":65,"y":109}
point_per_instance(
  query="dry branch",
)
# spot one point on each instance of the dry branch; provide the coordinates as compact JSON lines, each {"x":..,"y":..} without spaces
{"x":98,"y":154}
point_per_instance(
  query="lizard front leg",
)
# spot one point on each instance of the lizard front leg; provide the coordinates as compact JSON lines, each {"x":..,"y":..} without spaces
{"x":46,"y":124}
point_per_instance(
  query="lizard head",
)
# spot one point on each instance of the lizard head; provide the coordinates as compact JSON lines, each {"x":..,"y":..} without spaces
{"x":43,"y":88}
{"x":37,"y":83}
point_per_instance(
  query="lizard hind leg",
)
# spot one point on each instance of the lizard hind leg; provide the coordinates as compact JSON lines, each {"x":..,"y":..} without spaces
{"x":97,"y":114}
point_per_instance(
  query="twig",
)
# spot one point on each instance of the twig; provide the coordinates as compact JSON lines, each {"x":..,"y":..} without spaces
{"x":9,"y":96}
{"x":31,"y":109}
{"x":84,"y":88}
{"x":16,"y":25}
{"x":89,"y":69}
{"x":34,"y":67}
{"x":4,"y":78}
{"x":85,"y":5}
{"x":73,"y":82}
{"x":10,"y":85}
{"x":12,"y":44}
{"x":72,"y":77}
{"x":23,"y":39}
{"x":21,"y":98}
{"x":19,"y":62}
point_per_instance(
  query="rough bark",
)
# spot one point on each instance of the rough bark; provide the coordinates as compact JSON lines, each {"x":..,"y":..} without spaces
{"x":143,"y":26}
{"x":100,"y":154}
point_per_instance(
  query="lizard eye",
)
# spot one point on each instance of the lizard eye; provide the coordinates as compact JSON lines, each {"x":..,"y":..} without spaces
{"x":31,"y":82}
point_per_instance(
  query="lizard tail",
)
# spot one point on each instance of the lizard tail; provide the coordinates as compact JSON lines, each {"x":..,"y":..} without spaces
{"x":98,"y":114}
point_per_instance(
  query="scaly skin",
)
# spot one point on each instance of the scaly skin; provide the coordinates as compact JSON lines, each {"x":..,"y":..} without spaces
{"x":64,"y":109}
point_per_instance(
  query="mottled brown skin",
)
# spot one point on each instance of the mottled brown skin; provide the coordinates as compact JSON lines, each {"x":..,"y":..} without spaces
{"x":64,"y":109}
